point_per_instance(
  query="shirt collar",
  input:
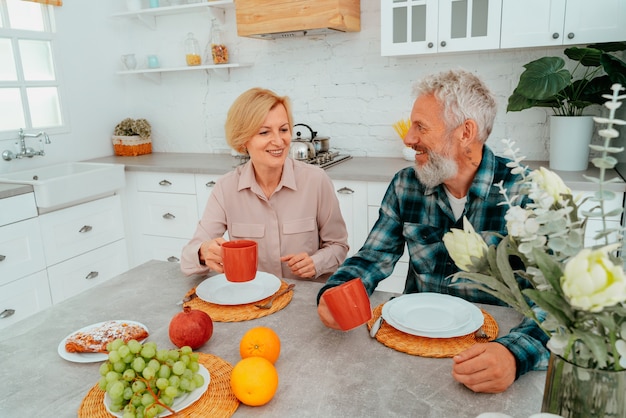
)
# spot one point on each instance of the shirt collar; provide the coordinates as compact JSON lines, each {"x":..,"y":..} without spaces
{"x":247,"y":180}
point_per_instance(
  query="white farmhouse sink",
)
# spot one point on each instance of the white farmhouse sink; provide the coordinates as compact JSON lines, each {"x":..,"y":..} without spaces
{"x":68,"y":184}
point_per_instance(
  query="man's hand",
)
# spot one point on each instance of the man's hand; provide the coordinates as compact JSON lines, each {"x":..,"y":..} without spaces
{"x":211,"y":253}
{"x":488,"y":368}
{"x":326,"y":316}
{"x":301,"y":265}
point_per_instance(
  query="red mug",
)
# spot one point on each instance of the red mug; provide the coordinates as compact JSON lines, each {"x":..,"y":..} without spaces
{"x":349,"y":304}
{"x":239,"y":258}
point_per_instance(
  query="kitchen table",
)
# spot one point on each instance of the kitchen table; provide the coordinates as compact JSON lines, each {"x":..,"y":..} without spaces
{"x":322,"y":372}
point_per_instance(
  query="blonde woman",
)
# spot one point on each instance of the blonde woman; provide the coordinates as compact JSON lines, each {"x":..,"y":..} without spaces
{"x":288,"y":207}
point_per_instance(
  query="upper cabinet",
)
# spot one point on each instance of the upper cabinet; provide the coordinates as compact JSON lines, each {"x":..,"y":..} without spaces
{"x":528,"y":23}
{"x":430,"y":26}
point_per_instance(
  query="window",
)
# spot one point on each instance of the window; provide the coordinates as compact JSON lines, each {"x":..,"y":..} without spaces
{"x":29,"y":86}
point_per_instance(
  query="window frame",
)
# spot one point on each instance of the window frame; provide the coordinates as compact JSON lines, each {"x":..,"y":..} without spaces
{"x":48,"y":34}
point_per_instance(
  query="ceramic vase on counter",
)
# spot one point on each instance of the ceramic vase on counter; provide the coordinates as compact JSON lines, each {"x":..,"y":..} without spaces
{"x":570,"y":137}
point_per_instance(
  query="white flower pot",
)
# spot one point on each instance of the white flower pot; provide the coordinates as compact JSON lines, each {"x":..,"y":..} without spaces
{"x":570,"y":137}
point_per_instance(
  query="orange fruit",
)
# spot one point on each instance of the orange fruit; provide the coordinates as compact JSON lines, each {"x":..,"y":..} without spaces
{"x":260,"y":342}
{"x":254,"y":381}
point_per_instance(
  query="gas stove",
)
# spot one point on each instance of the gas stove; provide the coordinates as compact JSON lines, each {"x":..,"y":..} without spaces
{"x":322,"y":159}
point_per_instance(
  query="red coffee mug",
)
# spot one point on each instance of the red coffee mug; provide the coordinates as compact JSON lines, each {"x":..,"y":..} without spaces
{"x":349,"y":304}
{"x":240,"y":260}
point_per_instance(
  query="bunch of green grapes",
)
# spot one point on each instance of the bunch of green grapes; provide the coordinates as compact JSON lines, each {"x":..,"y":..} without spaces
{"x":143,"y":381}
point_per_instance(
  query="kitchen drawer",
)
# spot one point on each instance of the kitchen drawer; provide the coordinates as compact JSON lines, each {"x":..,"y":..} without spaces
{"x":26,"y":296}
{"x":204,"y":188}
{"x":395,"y":282}
{"x":162,"y":248}
{"x":17,"y":208}
{"x":168,"y":215}
{"x":609,"y":205}
{"x":166,"y":183}
{"x":80,"y":273}
{"x":79,"y":229}
{"x":21,"y":250}
{"x":375,"y":193}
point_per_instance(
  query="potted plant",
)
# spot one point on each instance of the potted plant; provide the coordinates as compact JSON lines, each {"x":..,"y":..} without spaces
{"x":546,"y":82}
{"x":132,"y":137}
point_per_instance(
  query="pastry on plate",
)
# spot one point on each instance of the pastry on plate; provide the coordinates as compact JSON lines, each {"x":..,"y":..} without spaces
{"x":95,"y":340}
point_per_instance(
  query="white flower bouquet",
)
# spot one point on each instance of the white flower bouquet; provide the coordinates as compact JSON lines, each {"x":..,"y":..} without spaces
{"x":582,"y":290}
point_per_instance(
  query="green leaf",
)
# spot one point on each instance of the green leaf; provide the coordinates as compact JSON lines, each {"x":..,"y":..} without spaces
{"x":553,"y":304}
{"x":502,"y":295}
{"x":543,"y":78}
{"x":550,"y":268}
{"x":508,"y":277}
{"x":596,"y":344}
{"x":615,"y":68}
{"x":589,"y":57}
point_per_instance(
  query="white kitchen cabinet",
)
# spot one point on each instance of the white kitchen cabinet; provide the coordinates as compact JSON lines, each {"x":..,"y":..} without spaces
{"x":530,"y":23}
{"x":78,"y":274}
{"x":23,"y":298}
{"x":84,"y":245}
{"x":411,"y":27}
{"x":352,"y":196}
{"x":204,"y":188}
{"x":594,"y":225}
{"x":395,"y":282}
{"x":21,"y":250}
{"x":164,"y":211}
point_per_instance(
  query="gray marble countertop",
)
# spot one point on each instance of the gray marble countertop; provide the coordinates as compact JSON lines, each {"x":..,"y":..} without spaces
{"x":322,"y":372}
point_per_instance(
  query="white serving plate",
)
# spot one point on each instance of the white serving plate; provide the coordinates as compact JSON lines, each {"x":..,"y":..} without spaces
{"x":220,"y":291}
{"x":432,"y":315}
{"x":90,"y":357}
{"x":180,"y":403}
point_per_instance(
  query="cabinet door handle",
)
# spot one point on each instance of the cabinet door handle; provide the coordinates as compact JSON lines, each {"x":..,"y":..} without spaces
{"x":210,"y":183}
{"x":570,"y":35}
{"x":2,"y":257}
{"x":85,"y":228}
{"x":555,"y":35}
{"x":430,"y":44}
{"x":443,"y":43}
{"x":173,"y":259}
{"x":7,"y":313}
{"x":165,"y":183}
{"x":91,"y":275}
{"x":345,"y":190}
{"x":169,"y":216}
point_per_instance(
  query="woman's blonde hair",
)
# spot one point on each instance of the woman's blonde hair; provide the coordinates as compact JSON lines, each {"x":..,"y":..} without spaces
{"x":247,"y":114}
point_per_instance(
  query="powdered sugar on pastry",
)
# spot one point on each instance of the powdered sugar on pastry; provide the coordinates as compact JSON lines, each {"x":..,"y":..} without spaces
{"x":96,"y":339}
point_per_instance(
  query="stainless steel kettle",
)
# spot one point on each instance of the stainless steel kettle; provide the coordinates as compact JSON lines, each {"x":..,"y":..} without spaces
{"x":302,"y":147}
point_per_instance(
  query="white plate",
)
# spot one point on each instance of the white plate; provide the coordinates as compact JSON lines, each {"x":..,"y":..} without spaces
{"x":218,"y":290}
{"x":433,"y":315}
{"x":89,"y":357}
{"x":180,"y":403}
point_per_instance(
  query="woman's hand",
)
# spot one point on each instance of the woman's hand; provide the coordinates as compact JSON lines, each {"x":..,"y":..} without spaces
{"x":211,"y":253}
{"x":300,"y":264}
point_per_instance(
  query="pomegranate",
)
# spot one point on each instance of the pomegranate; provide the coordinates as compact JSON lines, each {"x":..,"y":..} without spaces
{"x":191,"y":327}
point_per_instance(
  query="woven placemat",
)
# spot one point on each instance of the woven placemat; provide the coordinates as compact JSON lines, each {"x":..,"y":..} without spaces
{"x":218,"y":401}
{"x":238,"y":313}
{"x":430,"y":347}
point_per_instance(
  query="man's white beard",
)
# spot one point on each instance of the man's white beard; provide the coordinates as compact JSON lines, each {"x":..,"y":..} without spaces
{"x":437,"y":169}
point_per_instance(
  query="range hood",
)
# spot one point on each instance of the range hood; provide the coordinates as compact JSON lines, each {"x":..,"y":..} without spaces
{"x":274,"y":19}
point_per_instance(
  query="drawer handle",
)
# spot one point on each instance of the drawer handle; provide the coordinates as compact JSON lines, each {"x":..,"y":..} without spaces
{"x":2,"y":257}
{"x":91,"y":275}
{"x":570,"y":35}
{"x":210,"y":184}
{"x":7,"y":313}
{"x":173,"y":259}
{"x":85,"y":228}
{"x":169,"y":216}
{"x":345,"y":190}
{"x":165,"y":183}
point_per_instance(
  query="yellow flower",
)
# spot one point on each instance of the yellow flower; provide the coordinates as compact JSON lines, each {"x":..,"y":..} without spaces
{"x":466,"y":247}
{"x":549,"y":182}
{"x":591,"y":281}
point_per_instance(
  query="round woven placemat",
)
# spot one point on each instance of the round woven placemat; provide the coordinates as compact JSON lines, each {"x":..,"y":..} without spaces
{"x":218,"y":401}
{"x":430,"y":347}
{"x":238,"y":313}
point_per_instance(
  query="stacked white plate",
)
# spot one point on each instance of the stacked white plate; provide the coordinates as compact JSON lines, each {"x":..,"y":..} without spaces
{"x":220,"y":291}
{"x":432,"y":315}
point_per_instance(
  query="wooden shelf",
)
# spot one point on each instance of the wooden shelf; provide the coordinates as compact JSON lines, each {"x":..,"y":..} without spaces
{"x":154,"y":74}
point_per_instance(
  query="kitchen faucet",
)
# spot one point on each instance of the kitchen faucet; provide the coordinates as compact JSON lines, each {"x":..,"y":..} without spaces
{"x":25,"y":151}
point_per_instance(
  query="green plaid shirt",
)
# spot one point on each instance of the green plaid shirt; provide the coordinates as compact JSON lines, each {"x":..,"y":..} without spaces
{"x":419,"y":216}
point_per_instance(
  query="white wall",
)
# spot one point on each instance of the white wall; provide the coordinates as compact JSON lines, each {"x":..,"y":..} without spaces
{"x":339,"y":84}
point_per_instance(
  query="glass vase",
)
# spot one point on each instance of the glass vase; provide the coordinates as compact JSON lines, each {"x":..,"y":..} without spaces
{"x":577,"y":392}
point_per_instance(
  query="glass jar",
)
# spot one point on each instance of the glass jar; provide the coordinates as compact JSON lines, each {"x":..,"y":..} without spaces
{"x":192,"y":50}
{"x":219,"y":51}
